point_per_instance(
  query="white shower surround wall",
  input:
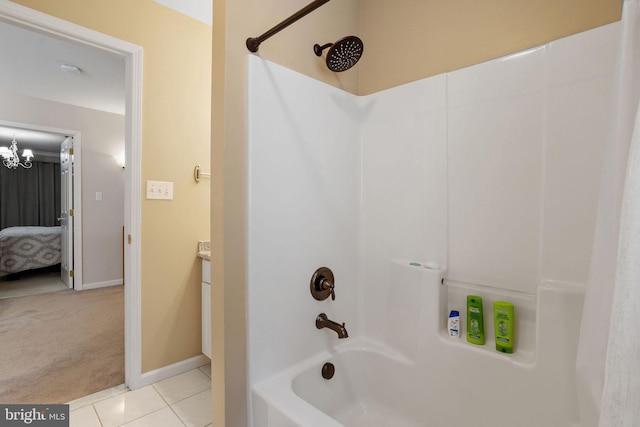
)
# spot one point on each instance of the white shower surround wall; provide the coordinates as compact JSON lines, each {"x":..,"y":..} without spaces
{"x":490,"y":171}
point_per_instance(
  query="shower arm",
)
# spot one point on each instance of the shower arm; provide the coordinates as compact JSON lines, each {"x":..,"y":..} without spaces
{"x":253,"y":43}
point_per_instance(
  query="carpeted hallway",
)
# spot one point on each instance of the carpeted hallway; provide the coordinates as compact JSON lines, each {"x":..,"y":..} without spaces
{"x":60,"y":346}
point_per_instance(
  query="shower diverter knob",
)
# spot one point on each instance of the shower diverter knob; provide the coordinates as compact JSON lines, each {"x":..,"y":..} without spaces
{"x":322,"y":284}
{"x":327,"y":285}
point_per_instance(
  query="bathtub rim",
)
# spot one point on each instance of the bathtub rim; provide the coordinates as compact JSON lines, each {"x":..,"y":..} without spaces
{"x":278,"y":389}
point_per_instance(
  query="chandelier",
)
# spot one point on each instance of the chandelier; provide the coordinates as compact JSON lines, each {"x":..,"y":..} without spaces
{"x":10,"y":156}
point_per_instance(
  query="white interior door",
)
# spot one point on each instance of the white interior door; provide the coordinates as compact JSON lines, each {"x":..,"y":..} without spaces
{"x":66,"y":206}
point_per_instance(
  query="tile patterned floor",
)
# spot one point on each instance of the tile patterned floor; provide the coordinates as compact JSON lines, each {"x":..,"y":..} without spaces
{"x":180,"y":401}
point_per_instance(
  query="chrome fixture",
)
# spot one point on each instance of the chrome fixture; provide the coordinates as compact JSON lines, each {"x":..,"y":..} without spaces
{"x":323,"y":322}
{"x":10,"y":156}
{"x":322,"y":284}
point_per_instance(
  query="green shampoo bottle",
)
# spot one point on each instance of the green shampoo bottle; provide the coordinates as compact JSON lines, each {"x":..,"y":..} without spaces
{"x":503,"y":313}
{"x":475,"y":320}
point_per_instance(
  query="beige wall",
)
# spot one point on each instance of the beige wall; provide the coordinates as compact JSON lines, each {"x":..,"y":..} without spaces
{"x":176,"y":116}
{"x":408,"y":40}
{"x":404,"y":40}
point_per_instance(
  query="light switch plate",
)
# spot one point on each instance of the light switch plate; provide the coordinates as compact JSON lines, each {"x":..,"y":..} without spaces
{"x":160,"y":190}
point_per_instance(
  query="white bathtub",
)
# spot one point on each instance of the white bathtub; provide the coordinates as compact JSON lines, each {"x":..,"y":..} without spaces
{"x":360,"y":394}
{"x":412,"y":374}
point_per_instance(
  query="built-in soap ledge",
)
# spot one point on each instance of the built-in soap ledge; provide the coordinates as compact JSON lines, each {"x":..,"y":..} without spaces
{"x":524,"y":320}
{"x":204,"y":249}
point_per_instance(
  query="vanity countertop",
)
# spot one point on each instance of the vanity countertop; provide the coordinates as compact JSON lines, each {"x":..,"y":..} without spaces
{"x":204,"y":249}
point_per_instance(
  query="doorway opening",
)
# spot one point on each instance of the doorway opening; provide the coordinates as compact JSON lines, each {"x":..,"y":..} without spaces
{"x":132,"y":55}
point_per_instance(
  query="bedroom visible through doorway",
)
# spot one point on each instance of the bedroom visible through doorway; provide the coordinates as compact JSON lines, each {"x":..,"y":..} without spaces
{"x":31,"y":237}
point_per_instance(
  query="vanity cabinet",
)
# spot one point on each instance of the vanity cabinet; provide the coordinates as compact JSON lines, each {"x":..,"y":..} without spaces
{"x":206,"y":308}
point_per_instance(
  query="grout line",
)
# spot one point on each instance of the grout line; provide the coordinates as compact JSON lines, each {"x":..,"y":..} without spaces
{"x":142,"y":416}
{"x":182,"y":400}
{"x":189,"y":397}
{"x":98,"y":396}
{"x":160,"y":394}
{"x":177,"y":415}
{"x":186,"y":397}
{"x":125,"y":390}
{"x":202,"y":370}
{"x":95,"y":411}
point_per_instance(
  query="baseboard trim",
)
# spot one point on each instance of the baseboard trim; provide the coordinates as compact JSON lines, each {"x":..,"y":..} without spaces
{"x":168,"y":371}
{"x":97,"y":285}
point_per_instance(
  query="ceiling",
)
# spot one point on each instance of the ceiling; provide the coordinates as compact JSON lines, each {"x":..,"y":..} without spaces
{"x":202,"y":10}
{"x":42,"y":66}
{"x":32,"y":65}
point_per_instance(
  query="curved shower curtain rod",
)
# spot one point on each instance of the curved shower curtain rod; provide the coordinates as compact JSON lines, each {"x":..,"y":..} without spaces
{"x":253,"y":43}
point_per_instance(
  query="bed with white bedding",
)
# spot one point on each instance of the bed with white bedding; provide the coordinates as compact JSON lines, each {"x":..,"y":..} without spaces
{"x":28,"y":248}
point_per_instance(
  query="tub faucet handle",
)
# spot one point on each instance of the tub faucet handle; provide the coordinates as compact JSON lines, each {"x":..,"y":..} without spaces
{"x":329,"y":286}
{"x":323,"y":284}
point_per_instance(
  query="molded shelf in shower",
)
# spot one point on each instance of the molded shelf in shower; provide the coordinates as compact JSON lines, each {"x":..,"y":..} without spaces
{"x":525,"y":320}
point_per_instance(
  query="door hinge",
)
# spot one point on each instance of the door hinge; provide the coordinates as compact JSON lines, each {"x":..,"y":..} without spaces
{"x":129,"y":239}
{"x":71,"y":151}
{"x":70,"y":273}
{"x":70,"y":212}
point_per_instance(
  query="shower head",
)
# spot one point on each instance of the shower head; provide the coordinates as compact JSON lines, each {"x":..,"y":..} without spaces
{"x":342,"y":54}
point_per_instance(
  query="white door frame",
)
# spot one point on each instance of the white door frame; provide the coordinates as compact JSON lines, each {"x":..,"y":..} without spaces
{"x":38,"y":21}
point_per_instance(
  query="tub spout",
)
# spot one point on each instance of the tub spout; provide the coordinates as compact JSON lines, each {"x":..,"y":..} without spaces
{"x":323,"y":322}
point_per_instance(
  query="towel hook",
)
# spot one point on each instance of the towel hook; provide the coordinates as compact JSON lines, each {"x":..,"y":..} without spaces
{"x":198,"y":174}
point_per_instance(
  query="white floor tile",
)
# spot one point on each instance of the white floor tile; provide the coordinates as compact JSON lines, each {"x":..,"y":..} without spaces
{"x":165,"y":417}
{"x":206,"y":369}
{"x":84,"y":417}
{"x":129,"y":406}
{"x":96,"y":397}
{"x":195,"y":411}
{"x":182,"y":386}
{"x":189,"y":394}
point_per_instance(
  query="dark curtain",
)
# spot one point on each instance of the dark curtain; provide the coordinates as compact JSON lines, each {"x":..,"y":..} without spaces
{"x":30,"y":196}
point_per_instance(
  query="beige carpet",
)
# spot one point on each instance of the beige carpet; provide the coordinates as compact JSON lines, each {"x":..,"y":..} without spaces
{"x":61,"y":346}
